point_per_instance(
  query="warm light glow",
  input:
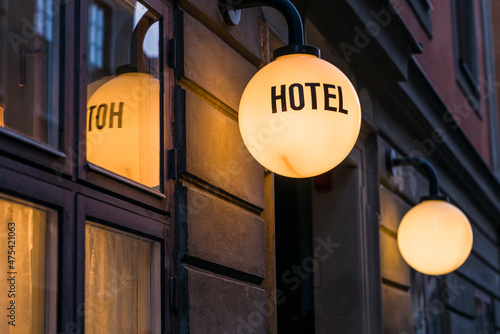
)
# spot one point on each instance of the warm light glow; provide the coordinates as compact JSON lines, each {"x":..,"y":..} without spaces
{"x":435,"y":237}
{"x":299,"y":116}
{"x":2,"y":108}
{"x":123,"y":128}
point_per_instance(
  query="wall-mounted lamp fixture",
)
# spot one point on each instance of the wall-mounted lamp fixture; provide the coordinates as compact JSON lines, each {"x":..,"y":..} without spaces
{"x":434,"y":237}
{"x":299,"y":116}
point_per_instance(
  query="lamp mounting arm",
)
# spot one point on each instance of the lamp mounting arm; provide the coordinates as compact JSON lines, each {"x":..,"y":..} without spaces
{"x":230,"y":10}
{"x":422,"y":165}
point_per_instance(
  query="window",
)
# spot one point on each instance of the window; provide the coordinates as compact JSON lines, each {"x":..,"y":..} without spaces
{"x":423,"y":11}
{"x":428,"y":307}
{"x":96,"y":36}
{"x":43,"y":160}
{"x":123,"y":94}
{"x":122,"y":282}
{"x":28,"y":276}
{"x":485,"y":323}
{"x":467,"y":61}
{"x":29,"y":75}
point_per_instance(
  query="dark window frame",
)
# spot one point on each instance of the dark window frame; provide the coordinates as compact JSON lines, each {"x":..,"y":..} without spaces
{"x":62,"y":180}
{"x":428,"y":309}
{"x":107,"y":180}
{"x":130,"y":219}
{"x":23,"y":184}
{"x":56,"y":159}
{"x":483,"y":300}
{"x":467,"y":62}
{"x":423,"y":11}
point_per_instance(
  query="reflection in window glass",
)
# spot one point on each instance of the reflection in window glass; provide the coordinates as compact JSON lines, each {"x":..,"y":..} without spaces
{"x":123,"y":106}
{"x":122,"y":289}
{"x":28,"y":272}
{"x":29,"y":74}
{"x":96,"y":36}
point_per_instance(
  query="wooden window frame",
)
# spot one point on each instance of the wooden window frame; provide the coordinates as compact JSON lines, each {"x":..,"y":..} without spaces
{"x":62,"y":180}
{"x":466,"y":78}
{"x":426,"y":308}
{"x":131,"y":219}
{"x":485,"y":299}
{"x":107,"y":180}
{"x":423,"y":12}
{"x":58,"y":160}
{"x":19,"y":183}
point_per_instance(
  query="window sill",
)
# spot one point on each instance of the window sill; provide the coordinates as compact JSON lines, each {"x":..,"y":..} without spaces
{"x":32,"y":142}
{"x":124,"y":180}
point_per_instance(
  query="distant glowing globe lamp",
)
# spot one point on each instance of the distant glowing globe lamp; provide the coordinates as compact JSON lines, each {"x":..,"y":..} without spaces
{"x":434,"y":237}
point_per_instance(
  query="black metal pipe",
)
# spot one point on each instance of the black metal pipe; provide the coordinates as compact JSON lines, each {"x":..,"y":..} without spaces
{"x":426,"y":167}
{"x":285,"y":7}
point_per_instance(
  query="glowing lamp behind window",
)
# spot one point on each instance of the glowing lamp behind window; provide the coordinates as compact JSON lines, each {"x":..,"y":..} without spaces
{"x":123,"y":131}
{"x":299,"y":116}
{"x":435,"y":237}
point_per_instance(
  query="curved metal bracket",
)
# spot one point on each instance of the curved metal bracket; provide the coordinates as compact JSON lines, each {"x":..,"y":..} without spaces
{"x":419,"y":163}
{"x":230,"y":11}
{"x":230,"y":15}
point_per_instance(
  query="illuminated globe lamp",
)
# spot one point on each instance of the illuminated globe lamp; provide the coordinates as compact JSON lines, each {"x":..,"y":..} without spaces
{"x":299,"y":116}
{"x":123,"y":132}
{"x":434,"y":237}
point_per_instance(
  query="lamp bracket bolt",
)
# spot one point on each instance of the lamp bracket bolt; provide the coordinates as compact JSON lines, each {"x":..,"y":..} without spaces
{"x":230,"y":11}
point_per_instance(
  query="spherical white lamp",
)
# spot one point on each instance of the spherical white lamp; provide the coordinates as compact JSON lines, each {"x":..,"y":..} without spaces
{"x":435,"y":237}
{"x":299,"y":116}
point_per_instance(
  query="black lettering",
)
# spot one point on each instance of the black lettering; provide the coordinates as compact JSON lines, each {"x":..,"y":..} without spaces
{"x":341,"y":101}
{"x":118,"y":113}
{"x":292,"y":97}
{"x":326,"y":87}
{"x":275,"y":97}
{"x":314,"y":99}
{"x":104,"y":108}
{"x":91,"y":109}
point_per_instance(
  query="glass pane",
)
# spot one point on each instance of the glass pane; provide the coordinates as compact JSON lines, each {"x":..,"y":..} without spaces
{"x":418,"y":302}
{"x":485,"y":316}
{"x":29,"y":75}
{"x":28,"y":267}
{"x":123,"y":106}
{"x":122,"y":289}
{"x":490,"y":319}
{"x":435,"y":305}
{"x":479,"y":317}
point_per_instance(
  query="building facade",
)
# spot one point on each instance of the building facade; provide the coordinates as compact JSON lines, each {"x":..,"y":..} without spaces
{"x":129,"y":203}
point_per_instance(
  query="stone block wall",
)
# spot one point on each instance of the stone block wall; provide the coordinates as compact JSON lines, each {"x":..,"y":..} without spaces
{"x":221,"y":190}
